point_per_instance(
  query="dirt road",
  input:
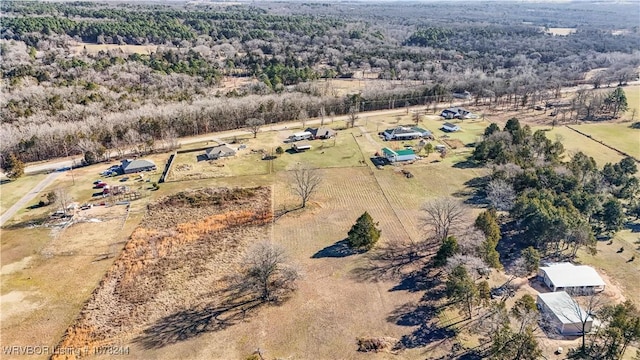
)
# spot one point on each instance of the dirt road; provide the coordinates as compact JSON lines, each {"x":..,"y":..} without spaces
{"x":28,"y":197}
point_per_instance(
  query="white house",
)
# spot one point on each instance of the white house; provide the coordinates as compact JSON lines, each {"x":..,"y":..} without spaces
{"x":449,"y":127}
{"x":219,"y":151}
{"x":456,"y":113}
{"x":564,"y":313}
{"x":577,"y":279}
{"x":401,"y":133}
{"x":399,"y":155}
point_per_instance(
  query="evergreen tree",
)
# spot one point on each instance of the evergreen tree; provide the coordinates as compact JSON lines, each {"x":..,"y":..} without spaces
{"x":461,"y":288}
{"x":448,"y":248}
{"x":363,"y":234}
{"x":13,"y":167}
{"x":487,"y":222}
{"x":531,"y":258}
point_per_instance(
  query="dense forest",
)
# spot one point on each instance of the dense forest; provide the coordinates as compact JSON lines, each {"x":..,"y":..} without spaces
{"x":58,"y":101}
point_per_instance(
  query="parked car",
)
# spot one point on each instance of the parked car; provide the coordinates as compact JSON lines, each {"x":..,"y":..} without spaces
{"x":97,"y":182}
{"x":124,"y":179}
{"x":101,"y":185}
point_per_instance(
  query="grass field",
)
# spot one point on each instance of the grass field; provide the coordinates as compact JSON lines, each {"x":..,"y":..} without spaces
{"x":12,"y":191}
{"x":574,"y":142}
{"x":618,"y":135}
{"x":633,"y":99}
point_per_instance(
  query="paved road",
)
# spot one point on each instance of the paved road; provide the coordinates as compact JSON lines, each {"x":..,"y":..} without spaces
{"x":28,"y":197}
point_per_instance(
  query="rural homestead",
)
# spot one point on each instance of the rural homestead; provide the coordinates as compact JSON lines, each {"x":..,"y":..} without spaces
{"x":320,"y":180}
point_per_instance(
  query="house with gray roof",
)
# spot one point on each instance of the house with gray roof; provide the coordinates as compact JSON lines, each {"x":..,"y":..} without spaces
{"x":130,"y":166}
{"x":219,"y":151}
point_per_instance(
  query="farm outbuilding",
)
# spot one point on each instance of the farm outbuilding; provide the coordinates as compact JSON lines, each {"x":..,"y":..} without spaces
{"x":133,"y":166}
{"x":304,"y":135}
{"x":564,"y":313}
{"x":565,"y":276}
{"x":399,"y":155}
{"x":219,"y":152}
{"x":300,"y":147}
{"x":449,"y":127}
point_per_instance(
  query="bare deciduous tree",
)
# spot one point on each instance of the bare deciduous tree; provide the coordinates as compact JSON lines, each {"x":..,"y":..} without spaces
{"x":574,"y":312}
{"x":353,"y":116}
{"x":444,"y":215}
{"x":501,"y":194}
{"x":254,"y":125}
{"x":305,"y":183}
{"x":63,"y":199}
{"x":266,"y":271}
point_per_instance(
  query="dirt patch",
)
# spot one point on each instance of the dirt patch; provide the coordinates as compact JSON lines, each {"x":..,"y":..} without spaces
{"x":15,"y":266}
{"x":16,"y":303}
{"x":453,"y":143}
{"x":174,"y":264}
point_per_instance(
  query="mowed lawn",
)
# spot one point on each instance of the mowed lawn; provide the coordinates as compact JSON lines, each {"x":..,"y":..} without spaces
{"x":12,"y":191}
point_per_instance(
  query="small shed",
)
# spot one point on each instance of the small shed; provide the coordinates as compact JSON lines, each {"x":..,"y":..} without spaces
{"x":399,"y":155}
{"x":219,"y":151}
{"x":564,"y":313}
{"x":300,"y":147}
{"x":449,"y":127}
{"x":565,"y":276}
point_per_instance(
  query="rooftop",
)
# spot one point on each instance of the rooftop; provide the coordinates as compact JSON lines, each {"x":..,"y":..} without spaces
{"x":569,"y":275}
{"x":138,"y":163}
{"x":449,"y":125}
{"x":567,"y":310}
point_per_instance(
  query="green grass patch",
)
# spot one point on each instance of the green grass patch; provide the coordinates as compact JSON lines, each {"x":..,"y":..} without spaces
{"x":574,"y":142}
{"x":341,"y":151}
{"x":11,"y":192}
{"x":618,"y":135}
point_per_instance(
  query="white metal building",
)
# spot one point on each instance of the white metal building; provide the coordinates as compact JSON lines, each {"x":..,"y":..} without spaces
{"x":564,"y":313}
{"x":577,"y":279}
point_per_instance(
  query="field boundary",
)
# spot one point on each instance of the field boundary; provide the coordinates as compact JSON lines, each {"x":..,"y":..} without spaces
{"x":604,"y":144}
{"x":167,"y":168}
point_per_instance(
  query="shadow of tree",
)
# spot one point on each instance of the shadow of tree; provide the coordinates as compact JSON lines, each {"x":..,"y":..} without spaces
{"x":424,"y":335}
{"x":190,"y":323}
{"x":467,"y":164}
{"x":393,"y":261}
{"x":338,"y":250}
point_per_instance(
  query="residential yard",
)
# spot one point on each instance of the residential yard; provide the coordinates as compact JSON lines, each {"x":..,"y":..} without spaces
{"x":194,"y":165}
{"x":12,"y":191}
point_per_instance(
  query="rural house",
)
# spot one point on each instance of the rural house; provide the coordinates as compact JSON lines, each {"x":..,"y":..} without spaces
{"x":399,"y":155}
{"x":449,"y":127}
{"x":133,"y":166}
{"x":564,"y":313}
{"x":219,"y":151}
{"x":401,"y":133}
{"x":462,"y":95}
{"x":456,"y":113}
{"x":566,"y":276}
{"x":322,"y":132}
